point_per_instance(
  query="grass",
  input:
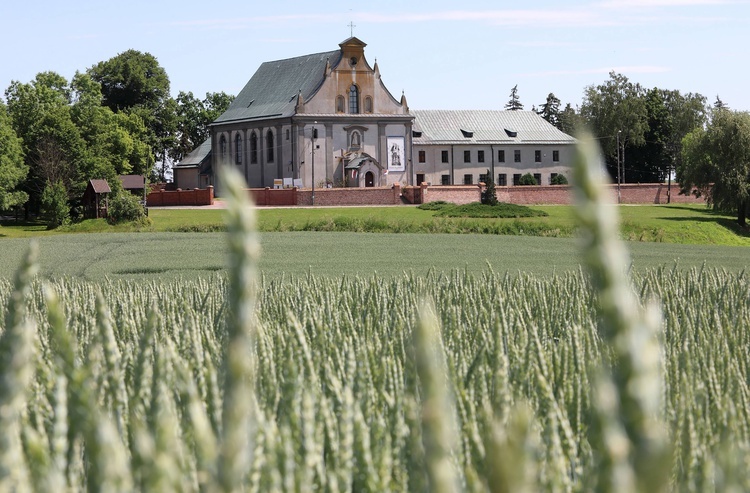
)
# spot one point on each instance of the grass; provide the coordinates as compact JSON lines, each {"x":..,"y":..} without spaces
{"x":684,"y":224}
{"x":479,"y":210}
{"x":334,"y":254}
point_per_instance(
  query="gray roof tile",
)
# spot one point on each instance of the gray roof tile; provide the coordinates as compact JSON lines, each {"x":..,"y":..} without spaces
{"x":485,"y":126}
{"x":197,"y":155}
{"x":272,"y":90}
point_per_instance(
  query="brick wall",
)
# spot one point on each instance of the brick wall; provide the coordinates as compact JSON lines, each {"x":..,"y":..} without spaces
{"x":351,"y":196}
{"x":456,"y":194}
{"x":411,"y":194}
{"x":203,"y":196}
{"x":273,"y":196}
{"x":632,"y":193}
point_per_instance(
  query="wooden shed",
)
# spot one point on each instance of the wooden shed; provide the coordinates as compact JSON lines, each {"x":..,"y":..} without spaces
{"x":135,"y":184}
{"x":95,"y":199}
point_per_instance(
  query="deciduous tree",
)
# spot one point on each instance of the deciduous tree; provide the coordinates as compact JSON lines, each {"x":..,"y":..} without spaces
{"x":616,"y":108}
{"x":194,"y":116}
{"x":133,"y":82}
{"x":716,"y":163}
{"x":13,"y":169}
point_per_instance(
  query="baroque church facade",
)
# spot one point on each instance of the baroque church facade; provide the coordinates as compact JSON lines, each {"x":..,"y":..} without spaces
{"x":328,"y":120}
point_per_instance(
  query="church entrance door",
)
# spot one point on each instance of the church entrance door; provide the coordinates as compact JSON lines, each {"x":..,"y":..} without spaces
{"x":369,"y":179}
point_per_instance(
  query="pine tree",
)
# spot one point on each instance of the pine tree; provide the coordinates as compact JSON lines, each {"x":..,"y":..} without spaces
{"x":489,"y":196}
{"x":719,"y":104}
{"x":514,"y":104}
{"x":551,"y":110}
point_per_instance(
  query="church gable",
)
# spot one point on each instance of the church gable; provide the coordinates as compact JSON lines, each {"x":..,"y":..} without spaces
{"x":352,"y":86}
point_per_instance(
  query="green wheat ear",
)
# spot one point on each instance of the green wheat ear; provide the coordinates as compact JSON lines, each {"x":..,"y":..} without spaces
{"x":627,"y":436}
{"x":235,"y":452}
{"x":438,"y":420}
{"x":17,"y":364}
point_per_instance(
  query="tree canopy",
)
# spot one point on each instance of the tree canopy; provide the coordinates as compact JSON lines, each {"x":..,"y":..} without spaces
{"x":134,"y":83}
{"x":716,"y":162}
{"x":13,"y":170}
{"x":550,"y":110}
{"x":616,"y":111}
{"x":193,"y":117}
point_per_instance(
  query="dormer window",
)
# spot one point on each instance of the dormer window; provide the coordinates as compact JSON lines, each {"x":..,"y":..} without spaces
{"x":467,"y":134}
{"x":511,"y":133}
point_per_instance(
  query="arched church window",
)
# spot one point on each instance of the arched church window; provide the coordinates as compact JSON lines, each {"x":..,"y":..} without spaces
{"x":223,"y":147}
{"x":269,"y":146}
{"x":339,"y":104}
{"x":253,"y":148}
{"x":238,"y":149}
{"x":368,"y":104}
{"x":353,"y":99}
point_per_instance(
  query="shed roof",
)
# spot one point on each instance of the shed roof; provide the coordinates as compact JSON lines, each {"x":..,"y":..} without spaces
{"x":485,"y":126}
{"x":196,"y":156}
{"x":272,"y":91}
{"x":132,"y":182}
{"x":100,"y":186}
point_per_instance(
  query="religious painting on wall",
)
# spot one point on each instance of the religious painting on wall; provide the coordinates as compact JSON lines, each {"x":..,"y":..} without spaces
{"x":396,"y":154}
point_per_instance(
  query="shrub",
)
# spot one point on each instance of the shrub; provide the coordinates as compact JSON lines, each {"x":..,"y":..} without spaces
{"x":559,"y":179}
{"x":55,"y":208}
{"x":125,"y":207}
{"x":435,"y":205}
{"x":489,"y":196}
{"x":527,"y":179}
{"x":500,"y":210}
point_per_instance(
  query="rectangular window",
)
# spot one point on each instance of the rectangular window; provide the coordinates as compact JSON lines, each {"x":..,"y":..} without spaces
{"x":556,"y":156}
{"x":422,"y":156}
{"x":484,"y":178}
{"x":537,"y":156}
{"x":516,"y":178}
{"x":467,"y":156}
{"x":538,"y":178}
{"x":444,"y":156}
{"x":420,"y":178}
{"x":468,"y":179}
{"x":480,"y":156}
{"x":501,"y":156}
{"x":517,"y":156}
{"x":445,"y":179}
{"x":502,"y":180}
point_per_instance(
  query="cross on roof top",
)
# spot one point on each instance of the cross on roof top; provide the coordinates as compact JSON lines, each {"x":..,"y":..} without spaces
{"x":351,"y":28}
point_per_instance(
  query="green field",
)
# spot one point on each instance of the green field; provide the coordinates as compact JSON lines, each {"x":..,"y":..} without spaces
{"x":666,"y":224}
{"x":388,"y":361}
{"x":345,"y":385}
{"x":192,"y":255}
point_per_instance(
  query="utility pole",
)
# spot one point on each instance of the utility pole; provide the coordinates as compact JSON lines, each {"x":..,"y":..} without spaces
{"x":619,"y":175}
{"x":313,"y":136}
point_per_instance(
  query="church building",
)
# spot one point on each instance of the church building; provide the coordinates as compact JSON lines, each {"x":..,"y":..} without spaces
{"x":328,"y":120}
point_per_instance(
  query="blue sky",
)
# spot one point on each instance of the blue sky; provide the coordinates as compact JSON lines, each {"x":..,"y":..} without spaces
{"x":443,"y":55}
